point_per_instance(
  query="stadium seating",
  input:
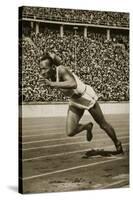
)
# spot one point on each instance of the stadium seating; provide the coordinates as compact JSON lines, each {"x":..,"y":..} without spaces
{"x":82,"y":16}
{"x":100,"y":63}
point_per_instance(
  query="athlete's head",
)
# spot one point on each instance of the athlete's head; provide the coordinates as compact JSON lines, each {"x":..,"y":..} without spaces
{"x":47,"y":65}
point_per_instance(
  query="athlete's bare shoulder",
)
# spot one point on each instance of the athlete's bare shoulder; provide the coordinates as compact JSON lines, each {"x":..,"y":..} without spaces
{"x":63,"y":69}
{"x":65,"y":72}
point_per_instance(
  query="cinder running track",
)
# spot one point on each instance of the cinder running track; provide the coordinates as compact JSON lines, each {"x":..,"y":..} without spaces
{"x":53,"y":162}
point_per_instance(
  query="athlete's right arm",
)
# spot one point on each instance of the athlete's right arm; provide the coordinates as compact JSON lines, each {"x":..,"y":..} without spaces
{"x":67,"y":79}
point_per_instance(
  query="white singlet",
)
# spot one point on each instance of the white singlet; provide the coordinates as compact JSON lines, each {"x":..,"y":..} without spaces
{"x":83,"y":97}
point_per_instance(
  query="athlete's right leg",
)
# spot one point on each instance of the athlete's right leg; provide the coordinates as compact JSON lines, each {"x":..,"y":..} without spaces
{"x":98,"y":116}
{"x":72,"y":122}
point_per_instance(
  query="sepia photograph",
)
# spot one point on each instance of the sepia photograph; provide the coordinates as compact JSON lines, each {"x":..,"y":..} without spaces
{"x":73,"y":99}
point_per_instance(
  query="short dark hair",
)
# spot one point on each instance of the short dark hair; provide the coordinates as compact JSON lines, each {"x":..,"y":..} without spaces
{"x":56,"y":60}
{"x":47,"y":57}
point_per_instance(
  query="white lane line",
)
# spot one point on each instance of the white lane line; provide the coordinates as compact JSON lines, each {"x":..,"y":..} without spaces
{"x":121,"y":176}
{"x":72,"y":168}
{"x":125,"y":186}
{"x":41,"y":128}
{"x":125,"y":182}
{"x":54,"y":155}
{"x":54,"y":145}
{"x":65,"y":153}
{"x":65,"y":144}
{"x":55,"y":126}
{"x":44,"y":134}
{"x":56,"y":129}
{"x":56,"y":139}
{"x":51,"y":140}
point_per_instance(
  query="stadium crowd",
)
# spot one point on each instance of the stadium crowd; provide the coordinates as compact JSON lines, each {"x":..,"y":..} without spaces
{"x":83,"y":16}
{"x":102,"y":64}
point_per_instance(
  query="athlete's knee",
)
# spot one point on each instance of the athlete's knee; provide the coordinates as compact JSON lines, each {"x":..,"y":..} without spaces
{"x":70,"y":132}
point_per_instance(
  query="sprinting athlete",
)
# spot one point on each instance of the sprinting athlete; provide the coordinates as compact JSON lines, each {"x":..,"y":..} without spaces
{"x":82,"y":97}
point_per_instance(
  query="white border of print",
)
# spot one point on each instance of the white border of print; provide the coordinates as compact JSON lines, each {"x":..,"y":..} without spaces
{"x":9,"y":94}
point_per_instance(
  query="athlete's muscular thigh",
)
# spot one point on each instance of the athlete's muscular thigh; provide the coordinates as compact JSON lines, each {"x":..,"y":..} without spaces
{"x":73,"y":116}
{"x":97,"y":114}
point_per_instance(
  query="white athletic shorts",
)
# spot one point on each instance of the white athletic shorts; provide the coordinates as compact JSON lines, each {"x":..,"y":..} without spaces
{"x":86,"y":101}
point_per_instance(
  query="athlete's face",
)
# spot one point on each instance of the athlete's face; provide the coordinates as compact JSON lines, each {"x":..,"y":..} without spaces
{"x":44,"y":68}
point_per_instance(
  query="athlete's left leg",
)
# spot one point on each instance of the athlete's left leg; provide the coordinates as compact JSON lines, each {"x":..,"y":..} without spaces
{"x":73,"y":126}
{"x":98,"y":116}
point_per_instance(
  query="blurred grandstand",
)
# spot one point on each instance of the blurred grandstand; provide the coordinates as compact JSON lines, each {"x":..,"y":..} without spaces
{"x":94,"y":44}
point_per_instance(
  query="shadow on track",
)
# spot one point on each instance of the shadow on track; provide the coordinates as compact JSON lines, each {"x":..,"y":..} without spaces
{"x":99,"y":152}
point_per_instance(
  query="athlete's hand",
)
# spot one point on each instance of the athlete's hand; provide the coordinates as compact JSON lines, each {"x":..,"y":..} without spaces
{"x":41,"y":81}
{"x":47,"y":82}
